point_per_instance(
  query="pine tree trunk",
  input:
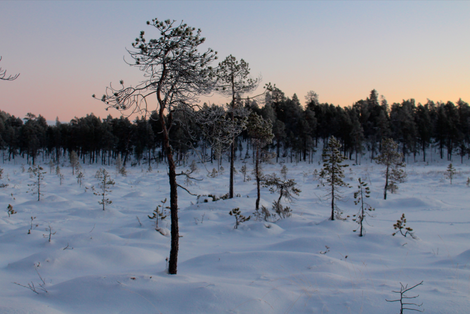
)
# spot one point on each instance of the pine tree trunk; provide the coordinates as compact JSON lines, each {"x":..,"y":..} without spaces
{"x":232,"y":146}
{"x":424,"y":152}
{"x":362,"y":211}
{"x":39,"y":185}
{"x":173,"y":260}
{"x":258,"y":181}
{"x":232,"y":166}
{"x":278,"y":149}
{"x":386,"y":183}
{"x":332,"y":195}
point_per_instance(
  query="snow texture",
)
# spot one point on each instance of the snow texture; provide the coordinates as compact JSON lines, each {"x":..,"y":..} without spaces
{"x":114,"y":261}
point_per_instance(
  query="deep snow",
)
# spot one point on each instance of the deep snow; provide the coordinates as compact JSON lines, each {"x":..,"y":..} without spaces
{"x":107,"y":262}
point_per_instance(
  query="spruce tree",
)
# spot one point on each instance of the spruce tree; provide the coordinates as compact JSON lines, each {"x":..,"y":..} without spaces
{"x":333,"y":173}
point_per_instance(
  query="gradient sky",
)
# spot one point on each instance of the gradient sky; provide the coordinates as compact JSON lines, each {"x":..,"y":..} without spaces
{"x":68,"y":50}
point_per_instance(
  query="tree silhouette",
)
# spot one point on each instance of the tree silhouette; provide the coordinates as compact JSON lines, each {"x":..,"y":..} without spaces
{"x":333,"y":173}
{"x":260,"y":131}
{"x":392,"y":160}
{"x":175,"y":74}
{"x":4,"y":77}
{"x":233,"y":80}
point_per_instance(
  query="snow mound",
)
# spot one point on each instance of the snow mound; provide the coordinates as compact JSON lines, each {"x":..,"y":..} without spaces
{"x":54,"y":198}
{"x":463,"y":258}
{"x":86,"y":260}
{"x":136,"y":194}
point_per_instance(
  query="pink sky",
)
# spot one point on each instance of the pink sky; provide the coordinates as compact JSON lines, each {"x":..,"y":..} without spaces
{"x":67,"y":51}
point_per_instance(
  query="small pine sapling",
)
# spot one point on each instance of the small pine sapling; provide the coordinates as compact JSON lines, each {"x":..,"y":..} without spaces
{"x":404,"y":304}
{"x":57,"y":170}
{"x":32,"y":225}
{"x":239,"y":218}
{"x":287,"y":189}
{"x":315,"y":174}
{"x":213,"y":174}
{"x":120,"y":169}
{"x":36,"y":172}
{"x":2,"y":185}
{"x":49,"y":236}
{"x":260,"y":132}
{"x":74,"y":162}
{"x":284,"y":171}
{"x":10,"y":210}
{"x":333,"y":173}
{"x":123,"y":171}
{"x":105,"y":183}
{"x":193,"y":167}
{"x":362,"y":193}
{"x":401,"y":227}
{"x":80,"y":177}
{"x":243,"y":171}
{"x":468,"y":181}
{"x":392,"y":187}
{"x":51,"y":166}
{"x":450,"y":172}
{"x":265,"y":214}
{"x":118,"y":164}
{"x":392,"y":160}
{"x":159,"y":213}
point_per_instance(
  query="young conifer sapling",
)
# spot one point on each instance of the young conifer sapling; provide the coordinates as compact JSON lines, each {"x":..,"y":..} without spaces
{"x":392,"y":160}
{"x":36,"y":172}
{"x":286,"y":188}
{"x":239,"y":218}
{"x":105,"y":183}
{"x":159,"y":213}
{"x":360,"y":195}
{"x":401,"y":227}
{"x":450,"y":172}
{"x":10,"y":210}
{"x":333,"y":173}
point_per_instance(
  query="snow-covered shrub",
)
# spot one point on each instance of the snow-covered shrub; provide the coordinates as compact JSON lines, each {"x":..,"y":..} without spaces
{"x":239,"y":218}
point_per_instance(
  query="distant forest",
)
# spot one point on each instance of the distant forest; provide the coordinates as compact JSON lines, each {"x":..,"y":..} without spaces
{"x":298,"y":132}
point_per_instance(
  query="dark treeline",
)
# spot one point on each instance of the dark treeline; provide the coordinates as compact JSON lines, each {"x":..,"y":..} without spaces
{"x":298,"y":131}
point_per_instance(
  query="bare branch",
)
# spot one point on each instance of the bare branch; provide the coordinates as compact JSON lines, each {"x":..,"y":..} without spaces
{"x":403,"y":290}
{"x":4,"y":77}
{"x":186,"y":190}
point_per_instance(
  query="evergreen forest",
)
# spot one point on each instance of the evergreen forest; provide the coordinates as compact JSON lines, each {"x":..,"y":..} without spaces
{"x":424,"y":132}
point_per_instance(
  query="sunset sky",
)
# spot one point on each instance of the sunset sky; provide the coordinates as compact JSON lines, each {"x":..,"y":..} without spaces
{"x":68,"y":50}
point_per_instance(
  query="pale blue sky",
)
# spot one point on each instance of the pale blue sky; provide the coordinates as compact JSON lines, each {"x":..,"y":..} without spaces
{"x":68,"y":50}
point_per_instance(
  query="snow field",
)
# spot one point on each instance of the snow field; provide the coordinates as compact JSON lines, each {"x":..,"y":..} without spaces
{"x":107,"y":262}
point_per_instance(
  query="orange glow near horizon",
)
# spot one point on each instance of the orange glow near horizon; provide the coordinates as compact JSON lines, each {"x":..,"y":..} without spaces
{"x":341,"y":50}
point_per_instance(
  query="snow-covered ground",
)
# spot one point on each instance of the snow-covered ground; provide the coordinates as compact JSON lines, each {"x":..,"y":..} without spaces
{"x":114,"y":261}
